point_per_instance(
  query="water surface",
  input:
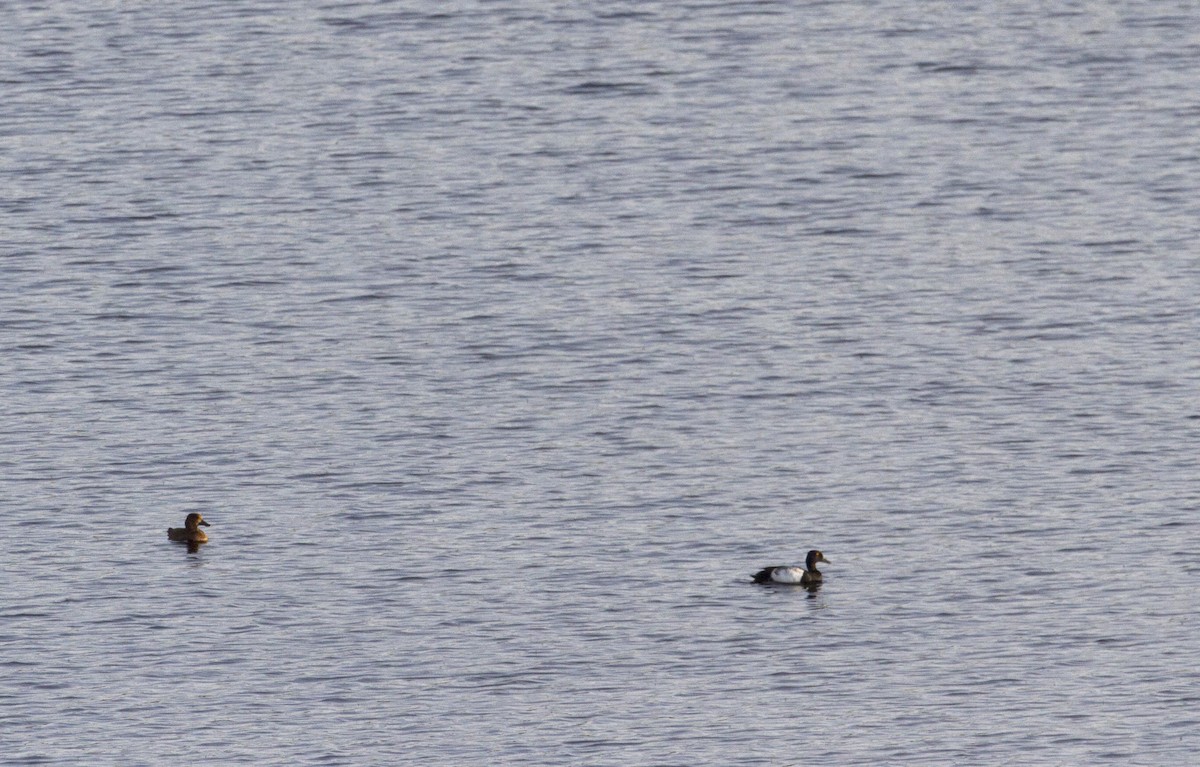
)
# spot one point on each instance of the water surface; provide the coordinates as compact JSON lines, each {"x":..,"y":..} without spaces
{"x":501,"y":342}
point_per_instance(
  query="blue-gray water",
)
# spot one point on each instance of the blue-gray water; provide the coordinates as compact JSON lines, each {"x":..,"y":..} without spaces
{"x":500,"y":342}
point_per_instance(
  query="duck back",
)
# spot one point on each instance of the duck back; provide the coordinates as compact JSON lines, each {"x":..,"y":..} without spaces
{"x":185,"y":535}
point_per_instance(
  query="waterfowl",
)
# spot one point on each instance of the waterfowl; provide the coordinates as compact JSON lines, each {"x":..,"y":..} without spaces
{"x":190,"y":532}
{"x":808,"y":575}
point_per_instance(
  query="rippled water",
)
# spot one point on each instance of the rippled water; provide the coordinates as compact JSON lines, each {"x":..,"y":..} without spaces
{"x":501,"y":342}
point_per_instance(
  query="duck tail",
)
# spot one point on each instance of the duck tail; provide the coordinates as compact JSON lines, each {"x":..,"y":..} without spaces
{"x":763,"y":575}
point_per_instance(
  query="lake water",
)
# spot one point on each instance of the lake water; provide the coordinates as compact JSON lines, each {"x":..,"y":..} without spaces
{"x":501,"y":342}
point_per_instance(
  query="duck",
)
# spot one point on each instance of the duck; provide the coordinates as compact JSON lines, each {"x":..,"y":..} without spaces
{"x":190,"y":532}
{"x":808,"y":575}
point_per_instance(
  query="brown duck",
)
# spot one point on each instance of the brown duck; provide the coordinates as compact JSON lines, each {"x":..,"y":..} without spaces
{"x":190,"y":532}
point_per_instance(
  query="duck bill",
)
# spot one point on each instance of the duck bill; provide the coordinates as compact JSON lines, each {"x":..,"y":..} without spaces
{"x":205,"y":523}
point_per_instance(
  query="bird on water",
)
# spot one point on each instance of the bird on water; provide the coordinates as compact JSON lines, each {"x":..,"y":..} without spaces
{"x":808,"y":575}
{"x":190,"y":532}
